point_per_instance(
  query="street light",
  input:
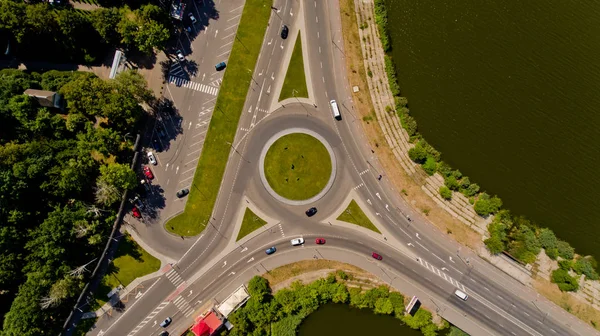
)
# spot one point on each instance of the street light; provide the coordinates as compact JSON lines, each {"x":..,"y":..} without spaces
{"x":538,"y":308}
{"x":294,"y":91}
{"x":252,"y":77}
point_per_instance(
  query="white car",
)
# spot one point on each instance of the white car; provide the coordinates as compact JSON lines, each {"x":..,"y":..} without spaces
{"x":180,"y":56}
{"x":297,"y":241}
{"x":192,"y":18}
{"x":151,"y":158}
{"x":461,"y":295}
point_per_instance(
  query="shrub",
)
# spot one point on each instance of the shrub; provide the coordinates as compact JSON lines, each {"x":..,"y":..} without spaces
{"x":565,"y":250}
{"x":586,"y":266}
{"x":410,"y":125}
{"x":451,"y":182}
{"x":547,"y":239}
{"x":565,"y":282}
{"x":494,"y":244}
{"x":487,"y":205}
{"x":391,"y":73}
{"x":552,"y":253}
{"x":444,"y":169}
{"x":430,"y":166}
{"x":465,"y":182}
{"x":382,"y":20}
{"x":430,"y":150}
{"x":445,"y":193}
{"x":457,"y":174}
{"x":472,"y":190}
{"x":417,"y":154}
{"x":565,"y":264}
{"x":401,"y":102}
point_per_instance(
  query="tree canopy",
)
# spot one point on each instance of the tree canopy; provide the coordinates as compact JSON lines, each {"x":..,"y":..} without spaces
{"x":51,"y":162}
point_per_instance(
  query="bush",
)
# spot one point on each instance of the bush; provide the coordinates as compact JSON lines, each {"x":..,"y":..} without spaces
{"x":472,"y":190}
{"x":565,"y":264}
{"x":410,"y":125}
{"x":430,"y":150}
{"x":552,"y":253}
{"x":430,"y":166}
{"x":444,"y":169}
{"x":547,"y":239}
{"x":451,"y":182}
{"x":445,"y":193}
{"x":382,"y":20}
{"x":457,"y":174}
{"x":586,"y":266}
{"x":391,"y":73}
{"x":565,"y":282}
{"x":465,"y":182}
{"x":565,"y":250}
{"x":494,"y":244}
{"x":417,"y":154}
{"x":487,"y":205}
{"x":401,"y":102}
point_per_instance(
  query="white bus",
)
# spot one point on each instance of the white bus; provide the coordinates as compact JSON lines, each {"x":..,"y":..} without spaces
{"x":336,"y":111}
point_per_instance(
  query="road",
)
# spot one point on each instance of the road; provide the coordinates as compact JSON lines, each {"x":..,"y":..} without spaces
{"x":193,"y":86}
{"x":417,"y":259}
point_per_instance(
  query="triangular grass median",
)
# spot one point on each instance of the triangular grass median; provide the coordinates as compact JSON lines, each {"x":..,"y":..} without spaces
{"x":250,"y":223}
{"x":354,"y":214}
{"x":294,"y":84}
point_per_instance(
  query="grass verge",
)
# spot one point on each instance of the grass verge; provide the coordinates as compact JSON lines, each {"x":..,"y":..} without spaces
{"x":223,"y":126}
{"x":281,"y":274}
{"x":297,"y":166}
{"x":131,"y":262}
{"x":354,"y":214}
{"x":295,"y":78}
{"x":250,"y":223}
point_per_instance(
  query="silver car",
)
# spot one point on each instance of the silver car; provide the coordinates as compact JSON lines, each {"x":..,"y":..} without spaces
{"x":151,"y":158}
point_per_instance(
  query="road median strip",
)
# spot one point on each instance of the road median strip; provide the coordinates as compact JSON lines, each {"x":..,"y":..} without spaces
{"x":224,"y":121}
{"x":354,"y":215}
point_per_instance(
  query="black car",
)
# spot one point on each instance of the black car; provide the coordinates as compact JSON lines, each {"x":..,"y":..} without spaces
{"x":284,"y":31}
{"x":311,"y":212}
{"x":182,"y":193}
{"x":156,"y":145}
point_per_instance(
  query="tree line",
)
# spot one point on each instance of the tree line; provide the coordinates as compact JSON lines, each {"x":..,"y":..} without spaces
{"x":281,"y":314}
{"x":61,"y":177}
{"x":43,"y":32}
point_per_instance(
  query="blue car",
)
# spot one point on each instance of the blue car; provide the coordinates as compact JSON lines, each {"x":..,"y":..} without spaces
{"x":220,"y":66}
{"x":271,"y":250}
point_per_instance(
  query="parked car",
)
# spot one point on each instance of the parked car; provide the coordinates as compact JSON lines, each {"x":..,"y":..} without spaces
{"x":136,"y":212}
{"x":151,"y":158}
{"x":311,"y":212}
{"x":320,"y":241}
{"x":376,"y":256}
{"x":192,"y":18}
{"x":284,"y":31}
{"x":164,"y":333}
{"x":297,"y":241}
{"x":166,"y":322}
{"x":138,"y":202}
{"x":180,"y":55}
{"x":271,"y":250}
{"x":220,"y":66}
{"x":148,"y":173}
{"x":182,"y":193}
{"x":156,"y":145}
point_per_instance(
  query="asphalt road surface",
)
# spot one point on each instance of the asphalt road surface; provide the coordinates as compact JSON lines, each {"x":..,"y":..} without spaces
{"x":417,"y":258}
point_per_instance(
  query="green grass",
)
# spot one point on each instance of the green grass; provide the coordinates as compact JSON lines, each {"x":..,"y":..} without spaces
{"x":223,"y":126}
{"x":250,"y":223}
{"x":297,"y":166}
{"x":354,"y":214}
{"x":131,"y":262}
{"x":294,"y":78}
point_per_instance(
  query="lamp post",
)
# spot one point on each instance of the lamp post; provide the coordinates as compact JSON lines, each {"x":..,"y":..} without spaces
{"x":240,"y":154}
{"x":294,"y":91}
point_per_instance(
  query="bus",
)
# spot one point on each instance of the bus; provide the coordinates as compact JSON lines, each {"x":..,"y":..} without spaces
{"x":336,"y":111}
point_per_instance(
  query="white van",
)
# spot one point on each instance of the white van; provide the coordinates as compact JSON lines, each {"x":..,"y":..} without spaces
{"x":336,"y":111}
{"x":461,"y":295}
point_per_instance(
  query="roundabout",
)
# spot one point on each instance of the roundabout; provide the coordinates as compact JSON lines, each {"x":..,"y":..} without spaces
{"x":297,"y":166}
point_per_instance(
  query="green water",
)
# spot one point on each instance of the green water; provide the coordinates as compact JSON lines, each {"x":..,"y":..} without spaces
{"x":339,"y":319}
{"x":509,"y":92}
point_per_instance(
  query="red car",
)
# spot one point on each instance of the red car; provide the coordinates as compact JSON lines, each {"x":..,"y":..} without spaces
{"x":148,"y":172}
{"x":376,"y":256}
{"x":136,"y":212}
{"x":320,"y":241}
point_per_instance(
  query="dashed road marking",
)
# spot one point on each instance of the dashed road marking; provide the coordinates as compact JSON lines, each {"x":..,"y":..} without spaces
{"x":358,"y":186}
{"x":363,"y":172}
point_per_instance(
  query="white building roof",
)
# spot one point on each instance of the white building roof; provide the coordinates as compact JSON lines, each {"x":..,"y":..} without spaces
{"x":234,"y":301}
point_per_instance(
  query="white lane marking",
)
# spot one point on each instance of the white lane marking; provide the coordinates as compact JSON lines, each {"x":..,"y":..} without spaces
{"x":426,"y":249}
{"x":439,"y":258}
{"x":417,"y":234}
{"x":216,"y":32}
{"x":378,"y":196}
{"x":451,"y":259}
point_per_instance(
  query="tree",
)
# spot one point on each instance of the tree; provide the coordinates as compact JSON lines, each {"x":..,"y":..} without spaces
{"x":118,"y":175}
{"x":59,"y":291}
{"x":105,"y":21}
{"x":487,"y":205}
{"x":134,"y":83}
{"x":565,"y":282}
{"x":472,"y":190}
{"x":586,"y":266}
{"x":547,"y":239}
{"x":410,"y":125}
{"x":383,"y":306}
{"x":417,"y":154}
{"x":565,"y":250}
{"x":494,"y":244}
{"x":445,"y":193}
{"x":465,"y":182}
{"x":259,"y":287}
{"x":451,"y":182}
{"x":430,"y":166}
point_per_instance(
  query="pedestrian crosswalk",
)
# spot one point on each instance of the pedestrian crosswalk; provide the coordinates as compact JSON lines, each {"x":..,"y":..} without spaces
{"x":174,"y":277}
{"x":183,"y":306}
{"x":211,"y":90}
{"x":441,"y":274}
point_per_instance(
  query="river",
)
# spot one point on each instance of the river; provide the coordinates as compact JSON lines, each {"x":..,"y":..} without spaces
{"x":508,"y":91}
{"x":340,"y":319}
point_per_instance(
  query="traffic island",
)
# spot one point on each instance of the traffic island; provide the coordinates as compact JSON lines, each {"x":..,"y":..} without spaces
{"x":294,"y":84}
{"x":354,"y":215}
{"x":297,"y":166}
{"x":250,"y":223}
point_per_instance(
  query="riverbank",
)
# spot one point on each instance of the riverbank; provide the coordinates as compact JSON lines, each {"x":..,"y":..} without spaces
{"x":449,"y":200}
{"x":281,"y":307}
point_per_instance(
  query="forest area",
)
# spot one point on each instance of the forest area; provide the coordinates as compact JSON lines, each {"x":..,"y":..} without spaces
{"x":62,"y":174}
